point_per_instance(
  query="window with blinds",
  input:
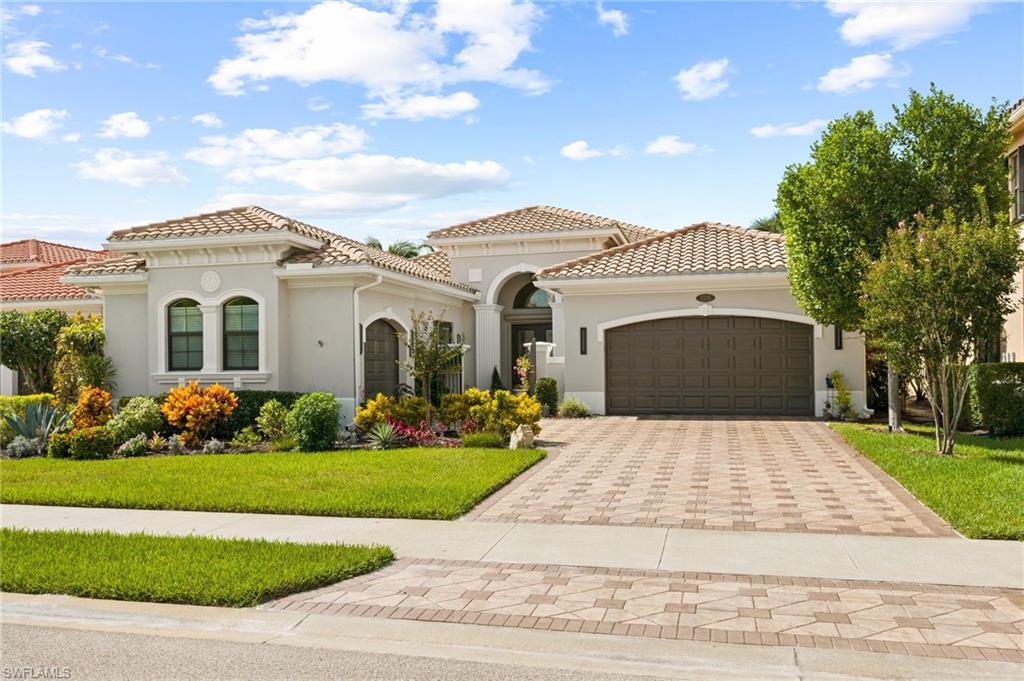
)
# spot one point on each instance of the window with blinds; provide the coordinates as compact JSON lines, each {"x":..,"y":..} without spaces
{"x":241,"y":334}
{"x":184,"y":336}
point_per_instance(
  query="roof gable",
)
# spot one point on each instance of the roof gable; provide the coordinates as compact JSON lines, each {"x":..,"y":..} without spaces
{"x":242,"y":220}
{"x":697,"y":249}
{"x":540,"y":220}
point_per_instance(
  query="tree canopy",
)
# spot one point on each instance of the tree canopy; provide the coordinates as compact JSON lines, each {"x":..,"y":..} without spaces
{"x":30,"y":345}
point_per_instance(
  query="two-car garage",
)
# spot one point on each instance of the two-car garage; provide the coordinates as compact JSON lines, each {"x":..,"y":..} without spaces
{"x":710,"y":365}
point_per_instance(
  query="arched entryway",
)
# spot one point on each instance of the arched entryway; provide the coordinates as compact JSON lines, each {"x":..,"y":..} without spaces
{"x":380,"y":359}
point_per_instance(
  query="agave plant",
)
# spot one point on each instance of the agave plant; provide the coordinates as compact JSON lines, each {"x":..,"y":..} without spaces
{"x":384,"y":436}
{"x":40,"y":420}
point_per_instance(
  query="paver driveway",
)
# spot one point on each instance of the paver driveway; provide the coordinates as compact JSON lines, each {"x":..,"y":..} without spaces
{"x":782,"y":475}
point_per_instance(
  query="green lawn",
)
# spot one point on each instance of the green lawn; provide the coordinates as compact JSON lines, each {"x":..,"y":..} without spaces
{"x":979,"y":490}
{"x":192,"y":570}
{"x":399,"y":483}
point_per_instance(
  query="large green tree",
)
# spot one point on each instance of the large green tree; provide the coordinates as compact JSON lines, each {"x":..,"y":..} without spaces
{"x":28,"y":344}
{"x":939,"y":290}
{"x":864,"y":179}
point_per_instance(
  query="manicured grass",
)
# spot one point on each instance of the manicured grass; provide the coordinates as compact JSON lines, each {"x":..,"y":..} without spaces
{"x":979,"y":490}
{"x":191,"y":570}
{"x":399,"y":483}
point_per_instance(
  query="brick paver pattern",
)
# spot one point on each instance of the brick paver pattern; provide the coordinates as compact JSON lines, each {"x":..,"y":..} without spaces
{"x":900,"y":618}
{"x":783,"y":475}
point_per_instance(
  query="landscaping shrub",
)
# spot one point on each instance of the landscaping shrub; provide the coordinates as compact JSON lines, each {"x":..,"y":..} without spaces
{"x":90,"y":443}
{"x":139,"y":416}
{"x":21,"y":447}
{"x":157,"y":443}
{"x":14,"y":405}
{"x":271,"y":419}
{"x":506,"y":411}
{"x":80,"y":360}
{"x":214,"y":446}
{"x":250,"y":404}
{"x":283,"y":444}
{"x":133,"y":446}
{"x":546,"y":393}
{"x":456,"y":407}
{"x":496,"y":383}
{"x":38,"y":421}
{"x":407,"y":409}
{"x":419,"y":436}
{"x":483,"y":440}
{"x":571,"y":408}
{"x":92,"y":408}
{"x":246,"y":438}
{"x":997,"y":397}
{"x":196,"y":410}
{"x":313,"y":422}
{"x":384,"y":436}
{"x":57,"y":446}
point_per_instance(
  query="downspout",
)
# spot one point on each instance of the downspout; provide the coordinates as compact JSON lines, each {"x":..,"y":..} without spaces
{"x":357,"y":337}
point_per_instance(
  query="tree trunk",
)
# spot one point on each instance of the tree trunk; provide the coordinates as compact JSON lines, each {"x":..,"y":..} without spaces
{"x":895,"y":416}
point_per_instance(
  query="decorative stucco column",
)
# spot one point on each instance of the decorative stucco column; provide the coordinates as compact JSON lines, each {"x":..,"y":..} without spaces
{"x":558,"y":327}
{"x":211,"y":338}
{"x":488,"y":342}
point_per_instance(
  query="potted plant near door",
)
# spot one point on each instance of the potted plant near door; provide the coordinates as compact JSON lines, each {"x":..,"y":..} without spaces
{"x":523,"y":367}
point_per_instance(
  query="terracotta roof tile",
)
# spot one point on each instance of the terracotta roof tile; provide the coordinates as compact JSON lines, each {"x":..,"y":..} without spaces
{"x":230,"y":221}
{"x":39,"y":251}
{"x":536,"y":219}
{"x":41,"y":283}
{"x":437,"y":261}
{"x":126,"y":264}
{"x":702,"y":248}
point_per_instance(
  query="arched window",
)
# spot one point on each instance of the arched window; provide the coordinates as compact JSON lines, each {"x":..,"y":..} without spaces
{"x":241,"y":334}
{"x":184,"y":336}
{"x":530,"y":298}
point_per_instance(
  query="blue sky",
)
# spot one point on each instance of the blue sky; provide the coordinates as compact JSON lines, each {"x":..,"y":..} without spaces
{"x":391,"y":119}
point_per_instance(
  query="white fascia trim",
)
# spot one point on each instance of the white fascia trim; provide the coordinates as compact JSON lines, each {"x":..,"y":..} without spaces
{"x":702,"y":311}
{"x":524,"y":236}
{"x":88,"y":280}
{"x":416,"y":282}
{"x":222,"y":241}
{"x":671,"y":282}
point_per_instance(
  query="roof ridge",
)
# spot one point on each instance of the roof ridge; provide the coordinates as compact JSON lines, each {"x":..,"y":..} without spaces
{"x":467,"y":223}
{"x":51,"y":243}
{"x":619,"y":249}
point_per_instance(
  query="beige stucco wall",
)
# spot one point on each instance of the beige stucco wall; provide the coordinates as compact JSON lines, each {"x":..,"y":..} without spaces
{"x":1014,"y":326}
{"x":585,"y":374}
{"x":126,"y":324}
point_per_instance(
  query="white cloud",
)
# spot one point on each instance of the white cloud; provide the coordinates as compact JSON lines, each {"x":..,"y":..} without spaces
{"x":364,"y":182}
{"x":393,"y":53}
{"x":104,"y":53}
{"x":418,"y":107}
{"x":25,"y":57}
{"x":127,"y":124}
{"x":318,"y":104}
{"x":703,"y":80}
{"x":31,"y":10}
{"x":862,"y":73}
{"x":208,"y":120}
{"x":615,"y":18}
{"x":37,"y":124}
{"x":789,"y":129}
{"x":134,"y":170}
{"x":669,"y":145}
{"x":580,"y":151}
{"x":72,"y":137}
{"x":902,"y":24}
{"x":263,"y":145}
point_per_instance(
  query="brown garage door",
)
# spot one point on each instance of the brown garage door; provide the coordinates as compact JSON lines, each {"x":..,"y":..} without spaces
{"x":709,"y":365}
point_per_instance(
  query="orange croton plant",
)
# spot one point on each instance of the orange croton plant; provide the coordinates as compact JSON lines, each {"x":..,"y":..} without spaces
{"x":92,"y":408}
{"x":196,"y":409}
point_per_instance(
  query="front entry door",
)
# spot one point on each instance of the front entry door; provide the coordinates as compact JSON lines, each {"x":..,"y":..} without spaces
{"x":521,"y":335}
{"x":380,"y":359}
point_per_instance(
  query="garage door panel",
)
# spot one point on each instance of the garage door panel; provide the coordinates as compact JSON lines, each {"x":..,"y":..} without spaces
{"x":711,"y":365}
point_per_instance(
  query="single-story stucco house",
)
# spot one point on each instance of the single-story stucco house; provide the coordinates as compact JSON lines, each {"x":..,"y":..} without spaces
{"x":630,"y":320}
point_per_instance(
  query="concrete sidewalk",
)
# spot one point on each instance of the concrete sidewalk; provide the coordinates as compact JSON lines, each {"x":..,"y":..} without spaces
{"x":953,"y":561}
{"x":582,"y":653}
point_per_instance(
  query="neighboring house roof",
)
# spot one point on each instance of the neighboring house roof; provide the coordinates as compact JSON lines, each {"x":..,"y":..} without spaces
{"x":41,"y":283}
{"x":698,"y":249}
{"x":437,"y":261}
{"x":41,"y":252}
{"x":335,"y":249}
{"x":540,"y":219}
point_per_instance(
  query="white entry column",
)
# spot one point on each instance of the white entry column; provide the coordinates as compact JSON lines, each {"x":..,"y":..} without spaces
{"x":558,"y":327}
{"x":211,"y":337}
{"x":488,"y":342}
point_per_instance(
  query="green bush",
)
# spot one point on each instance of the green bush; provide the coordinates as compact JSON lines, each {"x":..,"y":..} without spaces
{"x":571,"y":408}
{"x":546,"y":392}
{"x":409,"y":409}
{"x":133,"y":446}
{"x":483,"y":440}
{"x":246,"y":438}
{"x":139,"y":416}
{"x":997,"y":397}
{"x":313,"y":422}
{"x":57,"y":446}
{"x":14,"y":405}
{"x":91,"y":443}
{"x":271,"y":420}
{"x":249,"y":404}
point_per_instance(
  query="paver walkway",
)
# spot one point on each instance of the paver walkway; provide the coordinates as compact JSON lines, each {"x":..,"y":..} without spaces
{"x":781,"y":475}
{"x":885,"y":617}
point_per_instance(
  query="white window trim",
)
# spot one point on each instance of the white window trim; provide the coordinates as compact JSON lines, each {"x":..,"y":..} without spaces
{"x":212,"y":329}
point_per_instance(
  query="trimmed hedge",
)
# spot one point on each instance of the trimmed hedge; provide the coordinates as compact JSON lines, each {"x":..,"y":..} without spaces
{"x":997,"y":397}
{"x":11,"y":405}
{"x":546,"y":392}
{"x":313,"y":422}
{"x":249,"y":404}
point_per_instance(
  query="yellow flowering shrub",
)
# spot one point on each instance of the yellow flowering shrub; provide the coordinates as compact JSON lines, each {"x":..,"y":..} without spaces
{"x":195,"y":409}
{"x":455,"y":407}
{"x":505,"y":411}
{"x":92,"y":408}
{"x":409,"y":409}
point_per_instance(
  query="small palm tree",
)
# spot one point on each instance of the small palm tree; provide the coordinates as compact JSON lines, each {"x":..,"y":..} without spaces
{"x":403,"y":249}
